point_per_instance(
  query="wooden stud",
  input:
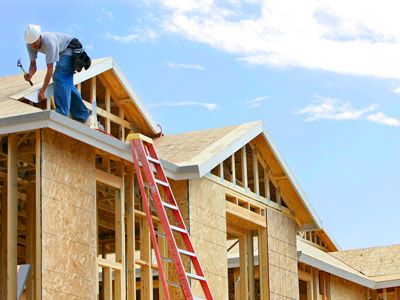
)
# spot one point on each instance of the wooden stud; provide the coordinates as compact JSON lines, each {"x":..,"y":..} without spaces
{"x":315,"y":284}
{"x":236,"y":282}
{"x":397,"y":293}
{"x":233,"y":169}
{"x":30,"y":235}
{"x":255,"y":173}
{"x":108,"y":110}
{"x":263,"y":263}
{"x":122,"y":128}
{"x":221,"y":171}
{"x":250,"y":264}
{"x":92,"y":89}
{"x":266,"y":184}
{"x":130,"y":227}
{"x":244,"y":169}
{"x":385,"y":294}
{"x":162,"y":245}
{"x":38,"y":218}
{"x":243,"y":263}
{"x":120,"y":290}
{"x":3,"y":245}
{"x":12,"y":219}
{"x":107,"y":283}
{"x":93,"y":99}
{"x":311,"y":290}
{"x":146,"y":284}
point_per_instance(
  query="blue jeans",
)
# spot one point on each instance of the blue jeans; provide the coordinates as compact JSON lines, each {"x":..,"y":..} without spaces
{"x":66,"y":97}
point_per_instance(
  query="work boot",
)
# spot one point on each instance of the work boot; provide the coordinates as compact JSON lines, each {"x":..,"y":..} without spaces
{"x":90,"y":122}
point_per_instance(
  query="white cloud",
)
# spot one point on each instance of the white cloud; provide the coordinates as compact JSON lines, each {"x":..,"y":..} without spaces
{"x":208,"y":106}
{"x":185,"y":66}
{"x":397,"y":90}
{"x":334,"y":109}
{"x":355,"y":37}
{"x":256,"y":102}
{"x":382,"y":118}
{"x":140,"y":35}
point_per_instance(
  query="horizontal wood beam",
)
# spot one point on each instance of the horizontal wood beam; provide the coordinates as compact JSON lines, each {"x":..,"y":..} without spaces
{"x":109,"y":179}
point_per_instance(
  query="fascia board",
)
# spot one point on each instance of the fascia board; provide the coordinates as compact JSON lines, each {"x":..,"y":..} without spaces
{"x":180,"y":172}
{"x":132,"y":94}
{"x":387,"y":284}
{"x":24,"y":122}
{"x":319,"y":264}
{"x":224,"y":153}
{"x":89,"y":136}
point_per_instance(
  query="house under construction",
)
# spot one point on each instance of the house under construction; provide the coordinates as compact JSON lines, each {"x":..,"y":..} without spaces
{"x":72,"y":208}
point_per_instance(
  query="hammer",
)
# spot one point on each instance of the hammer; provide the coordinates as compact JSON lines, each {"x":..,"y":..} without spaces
{"x":22,"y":68}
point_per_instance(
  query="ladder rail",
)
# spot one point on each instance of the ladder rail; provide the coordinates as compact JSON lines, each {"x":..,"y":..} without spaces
{"x":146,"y":159}
{"x":150,"y":225}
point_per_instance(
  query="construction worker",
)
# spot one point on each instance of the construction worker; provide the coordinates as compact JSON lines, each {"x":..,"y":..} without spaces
{"x":56,"y":48}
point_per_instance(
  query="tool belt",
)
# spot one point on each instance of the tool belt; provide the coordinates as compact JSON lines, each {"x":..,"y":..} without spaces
{"x":80,"y":58}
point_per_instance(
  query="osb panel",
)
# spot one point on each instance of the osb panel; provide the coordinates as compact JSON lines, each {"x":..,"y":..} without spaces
{"x":69,"y":218}
{"x":208,"y":231}
{"x":342,"y":289}
{"x":282,"y":254}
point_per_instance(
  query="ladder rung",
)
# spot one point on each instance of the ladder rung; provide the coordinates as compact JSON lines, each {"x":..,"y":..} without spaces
{"x":174,"y":284}
{"x":176,"y":228}
{"x":188,"y":253}
{"x":168,"y":259}
{"x":159,"y":234}
{"x":171,"y":206}
{"x":161,"y":182}
{"x":194,"y":276}
{"x":149,"y":158}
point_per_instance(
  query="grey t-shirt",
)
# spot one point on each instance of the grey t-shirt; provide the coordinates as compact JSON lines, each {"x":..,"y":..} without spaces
{"x":54,"y":45}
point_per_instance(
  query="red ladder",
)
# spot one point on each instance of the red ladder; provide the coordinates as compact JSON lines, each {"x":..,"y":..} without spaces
{"x":146,"y":160}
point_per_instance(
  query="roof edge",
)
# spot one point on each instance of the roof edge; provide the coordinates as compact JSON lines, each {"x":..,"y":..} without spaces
{"x":324,"y":266}
{"x":249,"y":135}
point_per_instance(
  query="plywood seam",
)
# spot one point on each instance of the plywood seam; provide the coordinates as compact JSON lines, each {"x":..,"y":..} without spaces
{"x":72,"y":205}
{"x":68,"y":239}
{"x":280,"y":240}
{"x":67,"y":185}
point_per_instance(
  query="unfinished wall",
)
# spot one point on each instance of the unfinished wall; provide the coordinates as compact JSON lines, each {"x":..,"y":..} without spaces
{"x":68,"y":218}
{"x":207,"y":213}
{"x":342,"y":289}
{"x":283,"y":272}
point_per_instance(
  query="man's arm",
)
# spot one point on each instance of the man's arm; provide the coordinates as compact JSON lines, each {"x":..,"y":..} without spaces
{"x":32,"y":70}
{"x":49,"y":73}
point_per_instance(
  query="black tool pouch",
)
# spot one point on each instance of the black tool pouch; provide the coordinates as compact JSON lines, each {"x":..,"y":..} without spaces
{"x":80,"y":58}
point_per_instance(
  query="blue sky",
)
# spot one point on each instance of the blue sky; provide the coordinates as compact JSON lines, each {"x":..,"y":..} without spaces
{"x":323,"y":76}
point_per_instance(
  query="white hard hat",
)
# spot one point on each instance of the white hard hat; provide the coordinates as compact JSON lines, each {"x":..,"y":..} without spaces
{"x":32,"y":33}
